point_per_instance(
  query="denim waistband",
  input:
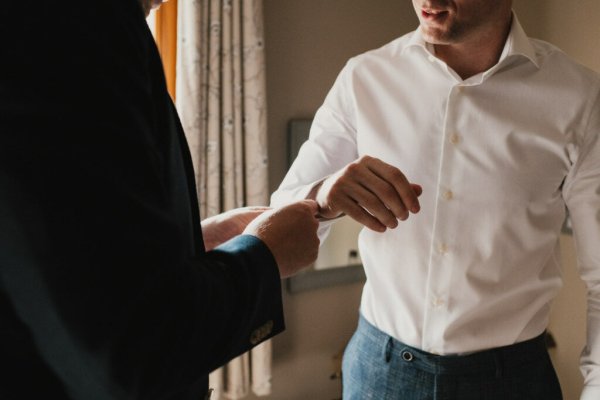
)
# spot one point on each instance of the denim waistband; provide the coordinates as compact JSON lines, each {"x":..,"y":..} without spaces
{"x":492,"y":361}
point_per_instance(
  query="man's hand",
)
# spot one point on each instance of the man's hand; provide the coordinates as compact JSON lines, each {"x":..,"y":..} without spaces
{"x":371,"y":192}
{"x":290,"y":233}
{"x":222,"y":227}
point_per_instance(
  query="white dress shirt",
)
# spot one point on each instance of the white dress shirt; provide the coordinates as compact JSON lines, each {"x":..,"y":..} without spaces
{"x":498,"y":155}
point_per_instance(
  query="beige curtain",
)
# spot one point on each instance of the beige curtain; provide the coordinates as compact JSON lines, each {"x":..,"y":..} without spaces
{"x":221,"y":100}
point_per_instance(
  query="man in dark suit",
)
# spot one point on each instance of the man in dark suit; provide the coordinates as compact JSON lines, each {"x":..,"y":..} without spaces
{"x":106,"y":289}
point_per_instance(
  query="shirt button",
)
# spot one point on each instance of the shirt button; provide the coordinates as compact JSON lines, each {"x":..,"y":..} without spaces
{"x":448,"y":195}
{"x":443,"y":248}
{"x":460,"y":88}
{"x":431,"y":58}
{"x":455,"y":138}
{"x":437,"y":302}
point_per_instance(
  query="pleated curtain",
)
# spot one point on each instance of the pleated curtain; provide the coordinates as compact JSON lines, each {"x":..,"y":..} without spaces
{"x":221,"y":98}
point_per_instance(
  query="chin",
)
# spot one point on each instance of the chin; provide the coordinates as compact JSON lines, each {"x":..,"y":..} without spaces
{"x":436,"y":37}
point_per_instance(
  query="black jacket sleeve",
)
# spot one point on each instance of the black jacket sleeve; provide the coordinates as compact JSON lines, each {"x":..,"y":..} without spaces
{"x":104,"y":284}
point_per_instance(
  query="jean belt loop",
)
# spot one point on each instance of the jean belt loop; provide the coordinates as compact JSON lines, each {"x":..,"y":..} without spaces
{"x":389,"y":346}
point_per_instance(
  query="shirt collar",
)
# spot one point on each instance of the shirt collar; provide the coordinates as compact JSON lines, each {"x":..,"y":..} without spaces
{"x":517,"y":43}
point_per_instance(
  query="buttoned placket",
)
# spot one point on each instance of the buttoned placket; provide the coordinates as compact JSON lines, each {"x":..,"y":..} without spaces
{"x":447,"y":199}
{"x":442,"y":251}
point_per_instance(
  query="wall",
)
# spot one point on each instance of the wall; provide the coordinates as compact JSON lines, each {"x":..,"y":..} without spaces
{"x":308,"y":42}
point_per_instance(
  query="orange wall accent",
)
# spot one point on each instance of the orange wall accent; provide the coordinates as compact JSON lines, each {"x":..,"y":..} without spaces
{"x":166,"y":39}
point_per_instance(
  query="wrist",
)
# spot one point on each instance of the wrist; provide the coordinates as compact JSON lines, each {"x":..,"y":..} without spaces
{"x":325,"y":212}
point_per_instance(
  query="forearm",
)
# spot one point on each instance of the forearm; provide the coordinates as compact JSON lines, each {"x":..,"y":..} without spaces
{"x":220,"y":228}
{"x":209,"y":235}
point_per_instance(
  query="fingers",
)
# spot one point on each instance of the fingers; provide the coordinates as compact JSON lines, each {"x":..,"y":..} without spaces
{"x":360,"y":215}
{"x":372,"y":192}
{"x":290,"y":233}
{"x":313,"y":206}
{"x":405,"y":191}
{"x":370,"y":209}
{"x":417,"y":189}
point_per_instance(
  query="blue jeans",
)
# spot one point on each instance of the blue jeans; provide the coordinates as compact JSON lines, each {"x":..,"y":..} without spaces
{"x":376,"y":366}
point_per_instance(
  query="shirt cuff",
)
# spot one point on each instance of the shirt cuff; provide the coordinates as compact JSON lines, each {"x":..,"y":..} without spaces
{"x":590,"y":393}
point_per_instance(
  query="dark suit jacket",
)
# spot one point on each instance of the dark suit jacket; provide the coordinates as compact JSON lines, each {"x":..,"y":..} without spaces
{"x":106,"y":291}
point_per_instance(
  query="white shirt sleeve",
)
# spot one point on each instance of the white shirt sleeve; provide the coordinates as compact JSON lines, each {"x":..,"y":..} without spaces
{"x":582,"y":196}
{"x":330,"y":147}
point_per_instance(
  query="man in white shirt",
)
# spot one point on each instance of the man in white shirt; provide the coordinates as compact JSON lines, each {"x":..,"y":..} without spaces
{"x":500,"y":134}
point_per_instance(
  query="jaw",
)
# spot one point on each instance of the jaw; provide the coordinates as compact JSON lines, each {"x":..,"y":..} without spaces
{"x":437,"y":27}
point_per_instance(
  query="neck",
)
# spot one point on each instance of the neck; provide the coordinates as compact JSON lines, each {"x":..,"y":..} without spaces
{"x":478,"y":54}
